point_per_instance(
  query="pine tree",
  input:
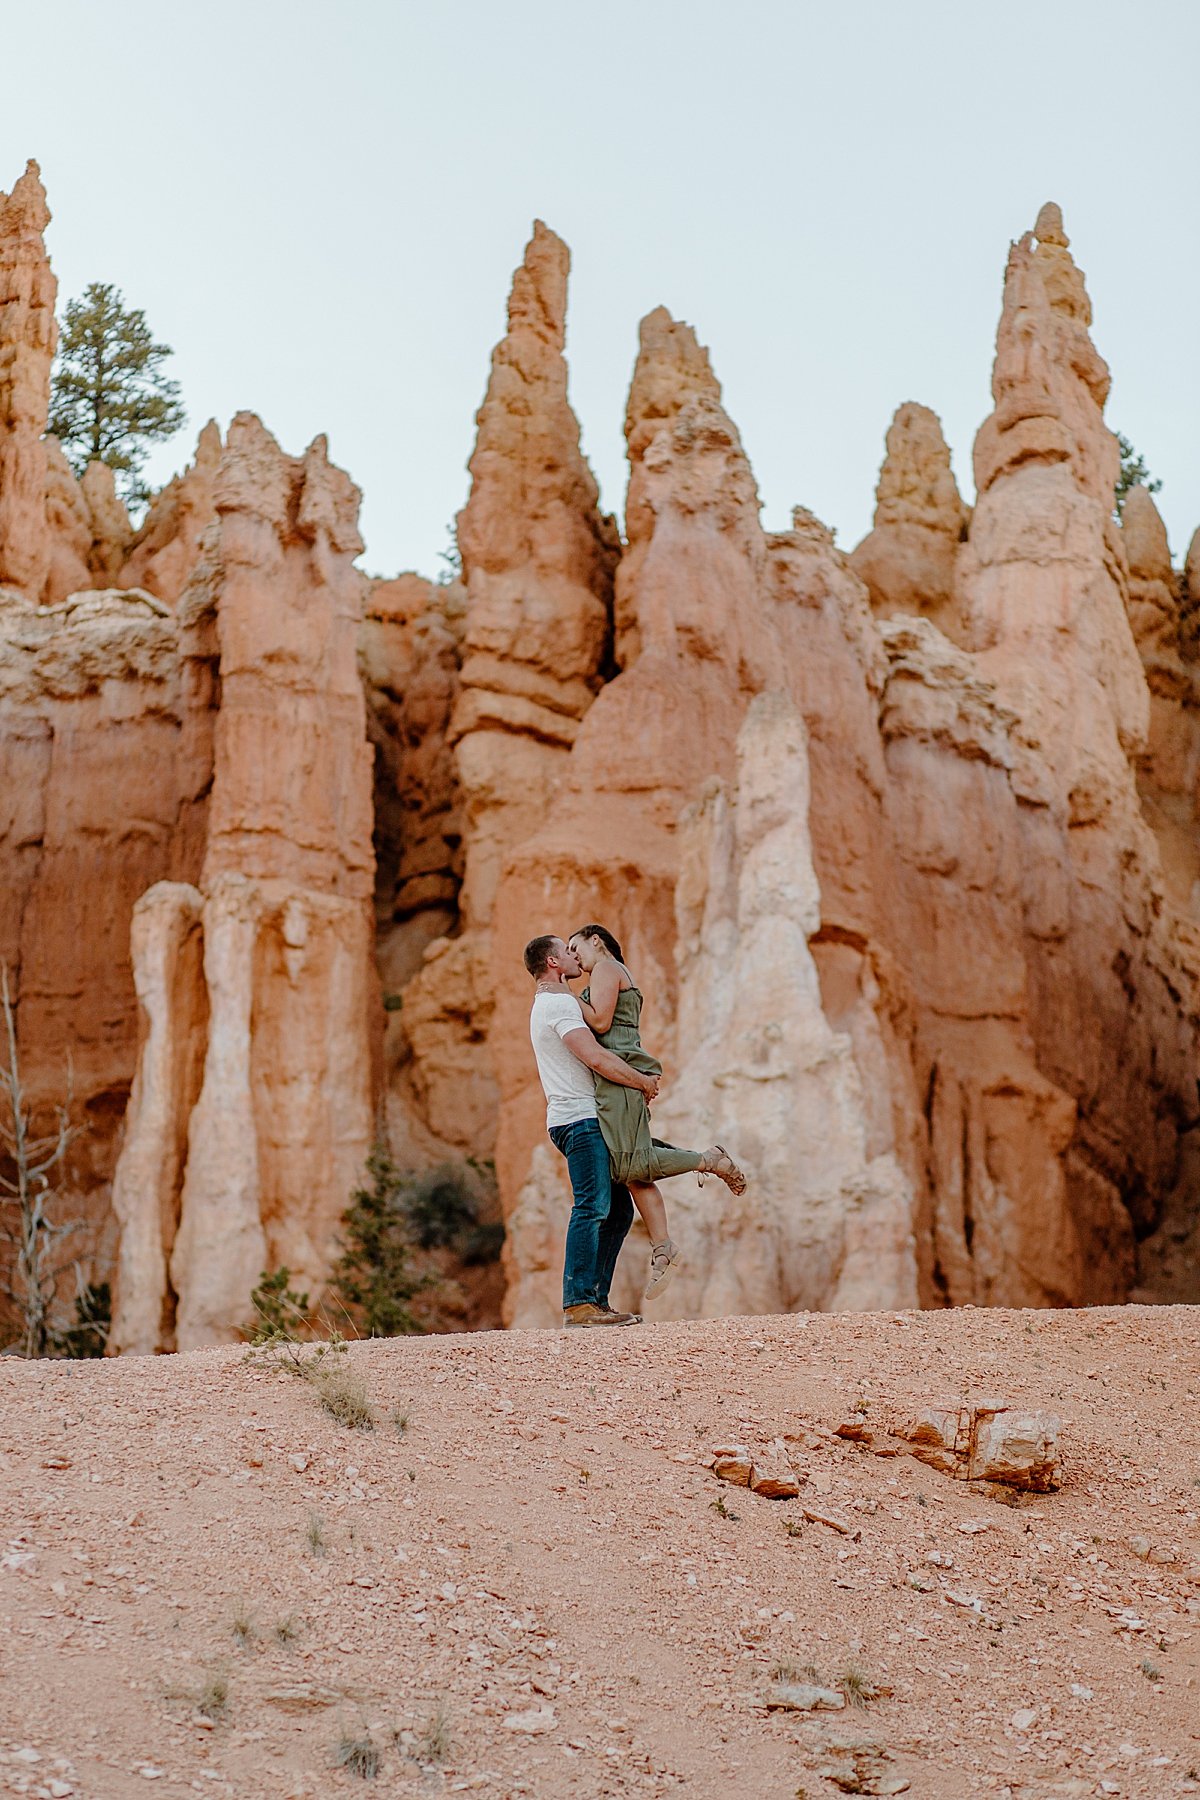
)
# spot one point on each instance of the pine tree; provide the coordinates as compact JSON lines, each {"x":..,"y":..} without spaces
{"x":111,"y":399}
{"x":374,"y":1278}
{"x":1133,"y":472}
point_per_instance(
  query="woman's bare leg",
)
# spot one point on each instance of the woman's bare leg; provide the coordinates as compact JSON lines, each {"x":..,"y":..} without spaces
{"x":647,"y":1197}
{"x":665,"y":1256}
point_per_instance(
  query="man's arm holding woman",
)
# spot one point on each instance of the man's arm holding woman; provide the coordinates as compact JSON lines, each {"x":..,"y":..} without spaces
{"x":604,"y":1062}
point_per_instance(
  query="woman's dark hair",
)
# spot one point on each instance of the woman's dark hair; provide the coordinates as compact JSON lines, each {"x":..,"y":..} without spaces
{"x":606,"y":938}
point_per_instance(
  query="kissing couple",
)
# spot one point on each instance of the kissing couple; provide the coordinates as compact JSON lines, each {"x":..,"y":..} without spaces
{"x":599,"y":1083}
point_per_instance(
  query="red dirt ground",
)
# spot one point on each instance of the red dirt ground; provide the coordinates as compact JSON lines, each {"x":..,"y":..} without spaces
{"x":539,"y":1542}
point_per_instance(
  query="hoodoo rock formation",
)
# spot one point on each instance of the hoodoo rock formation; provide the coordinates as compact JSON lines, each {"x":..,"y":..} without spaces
{"x":28,"y":335}
{"x":908,"y":559}
{"x":163,"y":553}
{"x":538,"y":558}
{"x":903,"y":845}
{"x":962,"y":889}
{"x":250,"y":1116}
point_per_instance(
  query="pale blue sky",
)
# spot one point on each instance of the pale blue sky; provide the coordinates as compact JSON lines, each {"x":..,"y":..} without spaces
{"x":320,"y":206}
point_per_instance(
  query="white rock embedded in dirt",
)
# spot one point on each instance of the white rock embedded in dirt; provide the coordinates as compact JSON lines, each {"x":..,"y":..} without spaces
{"x":804,"y":1696}
{"x":772,"y":1479}
{"x":538,"y":1720}
{"x":1017,"y":1448}
{"x":988,"y":1442}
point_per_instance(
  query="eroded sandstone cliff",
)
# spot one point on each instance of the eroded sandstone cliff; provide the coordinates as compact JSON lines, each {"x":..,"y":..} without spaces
{"x":902,"y":846}
{"x":28,"y":335}
{"x":250,"y":1118}
{"x":1013,"y":997}
{"x":538,"y":558}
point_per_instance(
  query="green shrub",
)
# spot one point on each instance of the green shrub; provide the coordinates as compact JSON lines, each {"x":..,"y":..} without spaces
{"x":279,"y":1311}
{"x":374,"y":1277}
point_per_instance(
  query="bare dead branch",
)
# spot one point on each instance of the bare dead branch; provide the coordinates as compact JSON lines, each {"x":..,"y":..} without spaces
{"x":36,"y":1272}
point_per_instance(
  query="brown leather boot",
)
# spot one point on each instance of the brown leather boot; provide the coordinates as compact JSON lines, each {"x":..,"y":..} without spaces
{"x":576,"y":1318}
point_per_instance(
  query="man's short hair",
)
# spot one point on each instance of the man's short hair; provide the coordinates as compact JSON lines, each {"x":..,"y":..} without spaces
{"x":538,"y":952}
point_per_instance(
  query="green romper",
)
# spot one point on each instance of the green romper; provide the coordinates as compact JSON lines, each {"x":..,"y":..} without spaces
{"x":623,"y":1114}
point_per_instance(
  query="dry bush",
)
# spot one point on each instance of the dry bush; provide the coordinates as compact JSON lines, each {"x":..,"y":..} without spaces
{"x":212,"y":1698}
{"x":341,"y":1390}
{"x":436,"y":1740}
{"x":358,"y":1752}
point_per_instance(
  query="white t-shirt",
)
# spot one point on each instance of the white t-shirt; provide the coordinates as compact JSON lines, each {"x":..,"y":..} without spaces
{"x":569,"y":1087}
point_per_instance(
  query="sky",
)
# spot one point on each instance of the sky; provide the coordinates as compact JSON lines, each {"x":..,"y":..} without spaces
{"x":320,"y":207}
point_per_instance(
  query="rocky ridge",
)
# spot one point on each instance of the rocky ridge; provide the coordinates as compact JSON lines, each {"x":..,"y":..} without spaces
{"x":901,"y":845}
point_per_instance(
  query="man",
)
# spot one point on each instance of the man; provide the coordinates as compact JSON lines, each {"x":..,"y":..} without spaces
{"x":567,"y":1053}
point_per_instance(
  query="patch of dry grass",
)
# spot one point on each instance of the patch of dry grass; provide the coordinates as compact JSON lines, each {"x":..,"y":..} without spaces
{"x":357,"y":1752}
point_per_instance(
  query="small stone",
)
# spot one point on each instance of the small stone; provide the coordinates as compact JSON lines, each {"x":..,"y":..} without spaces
{"x":1024,"y":1718}
{"x":533,"y":1722}
{"x":304,"y":1697}
{"x":804,"y":1696}
{"x":1080,"y":1692}
{"x":299,"y":1463}
{"x":774,"y":1483}
{"x":27,"y":1755}
{"x":732,"y":1463}
{"x":833,"y":1521}
{"x":856,"y":1431}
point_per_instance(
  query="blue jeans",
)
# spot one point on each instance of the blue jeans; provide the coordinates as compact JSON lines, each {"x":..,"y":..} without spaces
{"x":600,"y":1217}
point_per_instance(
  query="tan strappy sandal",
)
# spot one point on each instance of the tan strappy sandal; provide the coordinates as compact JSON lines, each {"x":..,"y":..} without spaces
{"x":664,"y":1260}
{"x":724,"y":1168}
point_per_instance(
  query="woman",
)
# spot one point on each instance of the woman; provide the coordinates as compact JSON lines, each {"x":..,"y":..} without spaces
{"x":612,"y":1006}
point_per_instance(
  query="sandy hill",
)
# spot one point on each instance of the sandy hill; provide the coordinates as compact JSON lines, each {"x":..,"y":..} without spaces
{"x":521,"y":1581}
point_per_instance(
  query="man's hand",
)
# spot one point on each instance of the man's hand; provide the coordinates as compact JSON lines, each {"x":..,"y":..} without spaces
{"x":604,"y":1062}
